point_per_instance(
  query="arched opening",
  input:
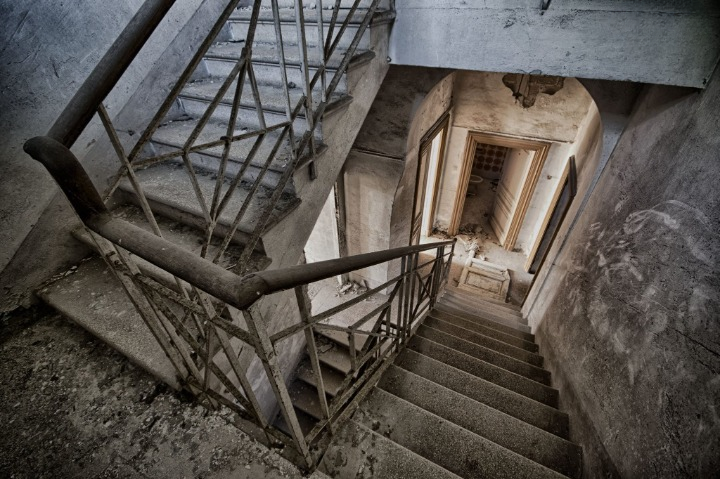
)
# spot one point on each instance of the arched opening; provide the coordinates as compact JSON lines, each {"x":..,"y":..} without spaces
{"x":506,"y":174}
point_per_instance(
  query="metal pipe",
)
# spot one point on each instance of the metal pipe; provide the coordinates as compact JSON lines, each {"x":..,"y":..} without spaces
{"x":77,"y":114}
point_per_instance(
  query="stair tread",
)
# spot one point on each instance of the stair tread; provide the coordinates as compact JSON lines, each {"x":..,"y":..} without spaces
{"x":267,"y":53}
{"x":510,"y":402}
{"x":357,"y":451}
{"x":177,"y":132}
{"x":484,"y":341}
{"x":485,"y":354}
{"x":442,"y":442}
{"x":305,"y":398}
{"x":503,"y":429}
{"x":334,"y":355}
{"x":516,"y":329}
{"x":457,"y":305}
{"x":485,"y":370}
{"x":169,"y":184}
{"x":310,"y":15}
{"x":484,"y":308}
{"x":480,"y":299}
{"x":272,"y":96}
{"x":332,"y":379}
{"x":94,"y":298}
{"x":485,"y":330}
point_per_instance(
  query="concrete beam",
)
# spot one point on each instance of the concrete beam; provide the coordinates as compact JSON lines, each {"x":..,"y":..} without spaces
{"x":672,"y":43}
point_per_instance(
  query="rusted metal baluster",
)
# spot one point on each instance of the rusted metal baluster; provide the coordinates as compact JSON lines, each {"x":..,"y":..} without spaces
{"x":307,"y":88}
{"x":306,"y":315}
{"x":321,"y":48}
{"x":268,"y":356}
{"x":283,"y":74}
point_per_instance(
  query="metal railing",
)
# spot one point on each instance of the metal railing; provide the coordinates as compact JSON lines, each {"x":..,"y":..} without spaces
{"x":208,"y":320}
{"x":207,"y":323}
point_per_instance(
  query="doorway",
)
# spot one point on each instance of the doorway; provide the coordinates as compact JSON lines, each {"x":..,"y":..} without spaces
{"x":430,"y":163}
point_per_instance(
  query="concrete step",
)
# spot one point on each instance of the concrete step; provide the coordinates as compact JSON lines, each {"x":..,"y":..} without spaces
{"x":484,"y":341}
{"x":196,"y":97}
{"x":170,"y":192}
{"x":331,"y":378}
{"x":513,"y":328}
{"x":334,"y":355}
{"x":307,"y":423}
{"x":497,"y":304}
{"x":94,"y":298}
{"x":305,"y":398}
{"x":505,"y":430}
{"x":459,"y":305}
{"x":485,"y":354}
{"x":521,"y":407}
{"x":265,"y":28}
{"x":327,"y":4}
{"x":222,"y":58}
{"x":485,"y":370}
{"x":358,"y":452}
{"x":172,"y":136}
{"x":446,"y":444}
{"x":483,"y":307}
{"x":486,"y":331}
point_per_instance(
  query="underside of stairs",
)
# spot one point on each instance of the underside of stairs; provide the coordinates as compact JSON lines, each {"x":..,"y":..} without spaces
{"x":467,"y":398}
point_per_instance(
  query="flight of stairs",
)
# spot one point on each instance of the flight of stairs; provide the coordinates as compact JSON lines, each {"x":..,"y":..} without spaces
{"x":467,"y":398}
{"x":92,"y":297}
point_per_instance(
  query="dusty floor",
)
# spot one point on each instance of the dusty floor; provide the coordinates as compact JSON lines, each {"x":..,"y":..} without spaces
{"x":475,"y":229}
{"x":73,"y":407}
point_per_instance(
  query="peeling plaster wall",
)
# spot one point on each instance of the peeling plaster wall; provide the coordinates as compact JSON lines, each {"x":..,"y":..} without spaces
{"x":629,"y":316}
{"x":650,"y":41}
{"x":49,"y":48}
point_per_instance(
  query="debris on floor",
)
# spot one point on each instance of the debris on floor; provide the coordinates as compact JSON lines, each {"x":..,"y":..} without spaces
{"x":78,"y":409}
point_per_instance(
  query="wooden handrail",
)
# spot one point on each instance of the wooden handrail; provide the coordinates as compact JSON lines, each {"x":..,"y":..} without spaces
{"x":235,"y":290}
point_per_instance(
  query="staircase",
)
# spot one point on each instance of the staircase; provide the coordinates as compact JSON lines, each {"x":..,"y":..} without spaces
{"x":277,"y":215}
{"x":467,"y":398}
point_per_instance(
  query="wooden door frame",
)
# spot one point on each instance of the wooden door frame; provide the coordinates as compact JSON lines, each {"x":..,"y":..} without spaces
{"x":442,"y":123}
{"x":474,"y":138}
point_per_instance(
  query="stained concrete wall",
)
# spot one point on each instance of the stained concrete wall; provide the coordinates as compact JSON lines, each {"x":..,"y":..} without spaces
{"x":49,"y":49}
{"x":665,"y":42}
{"x":380,"y":165}
{"x":628,"y":316}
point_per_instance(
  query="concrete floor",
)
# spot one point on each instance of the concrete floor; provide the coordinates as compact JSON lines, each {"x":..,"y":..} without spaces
{"x":475,"y":229}
{"x":74,"y":408}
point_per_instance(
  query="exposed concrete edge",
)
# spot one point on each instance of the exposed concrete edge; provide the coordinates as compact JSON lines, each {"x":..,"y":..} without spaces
{"x":596,"y":461}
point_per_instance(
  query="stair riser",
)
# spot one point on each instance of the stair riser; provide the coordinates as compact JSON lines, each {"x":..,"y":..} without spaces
{"x":486,"y":302}
{"x":499,"y":326}
{"x":212,"y":163}
{"x":486,"y":392}
{"x":483,"y":308}
{"x":448,"y":445}
{"x":246,"y":116}
{"x":484,"y":354}
{"x":486,"y":371}
{"x":265,"y":33}
{"x":498,"y":318}
{"x":502,"y":429}
{"x":489,"y":332}
{"x":325,"y":3}
{"x":484,"y":341}
{"x":267,"y":72}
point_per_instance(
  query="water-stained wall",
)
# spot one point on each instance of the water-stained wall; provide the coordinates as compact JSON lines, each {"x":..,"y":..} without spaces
{"x":629,"y":317}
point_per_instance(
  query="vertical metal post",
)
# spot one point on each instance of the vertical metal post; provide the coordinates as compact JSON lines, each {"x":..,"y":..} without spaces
{"x":306,"y":315}
{"x":268,"y":356}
